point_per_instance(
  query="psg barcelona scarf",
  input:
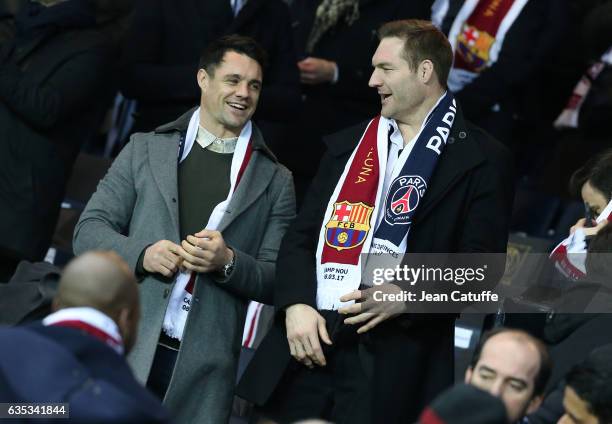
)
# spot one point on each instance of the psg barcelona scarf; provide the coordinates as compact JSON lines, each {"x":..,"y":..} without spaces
{"x":358,"y":203}
{"x":476,"y":35}
{"x":182,"y":292}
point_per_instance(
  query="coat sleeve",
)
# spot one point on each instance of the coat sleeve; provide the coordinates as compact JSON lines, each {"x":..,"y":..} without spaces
{"x":70,"y":88}
{"x":105,"y":221}
{"x":253,"y":277}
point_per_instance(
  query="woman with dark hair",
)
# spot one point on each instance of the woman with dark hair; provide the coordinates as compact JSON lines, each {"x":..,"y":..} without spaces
{"x":593,"y":182}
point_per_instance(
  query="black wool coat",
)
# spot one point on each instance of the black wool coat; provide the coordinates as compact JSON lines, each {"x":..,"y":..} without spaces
{"x":50,"y":104}
{"x":466,"y":209}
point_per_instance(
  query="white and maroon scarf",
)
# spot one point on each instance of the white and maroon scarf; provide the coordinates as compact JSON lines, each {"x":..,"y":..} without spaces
{"x":90,"y":321}
{"x":476,"y":35}
{"x":180,"y":299}
{"x":359,"y":202}
{"x":569,"y":116}
{"x":569,"y":255}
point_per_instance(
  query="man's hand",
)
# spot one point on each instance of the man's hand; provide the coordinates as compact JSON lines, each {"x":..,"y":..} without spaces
{"x":316,"y":71}
{"x":304,"y":327}
{"x":162,"y":257}
{"x":205,"y":252}
{"x":372,"y":319}
{"x":588,"y":231}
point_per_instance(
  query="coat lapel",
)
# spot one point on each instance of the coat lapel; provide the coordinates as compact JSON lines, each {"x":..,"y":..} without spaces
{"x":459,"y":156}
{"x":257,"y":176}
{"x":163,"y":162}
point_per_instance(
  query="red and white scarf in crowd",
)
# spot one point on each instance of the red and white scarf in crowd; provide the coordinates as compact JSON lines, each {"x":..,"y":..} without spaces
{"x":569,"y":255}
{"x":569,"y":117}
{"x":90,"y":321}
{"x":476,"y":35}
{"x":180,"y":299}
{"x":369,"y":196}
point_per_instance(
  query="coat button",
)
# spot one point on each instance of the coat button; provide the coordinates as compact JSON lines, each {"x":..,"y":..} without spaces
{"x":166,"y":293}
{"x":174,"y":200}
{"x":451,"y":140}
{"x":462,"y":135}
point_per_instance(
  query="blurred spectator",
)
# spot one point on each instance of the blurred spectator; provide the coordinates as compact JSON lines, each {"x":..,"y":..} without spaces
{"x":588,"y":98}
{"x":593,"y":182}
{"x":512,"y":365}
{"x":499,"y":46}
{"x":465,"y":404}
{"x":166,"y":38}
{"x":335,"y":41}
{"x":572,"y":336}
{"x":53,"y":71}
{"x":95,"y":319}
{"x":588,"y":392}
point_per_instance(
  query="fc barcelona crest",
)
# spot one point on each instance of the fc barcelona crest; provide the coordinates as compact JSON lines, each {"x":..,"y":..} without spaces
{"x":348,"y":226}
{"x":475,"y":47}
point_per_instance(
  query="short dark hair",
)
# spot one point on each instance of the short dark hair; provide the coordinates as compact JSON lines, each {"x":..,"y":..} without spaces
{"x":545,"y":368}
{"x":597,"y":171}
{"x":592,"y":382}
{"x":422,"y":40}
{"x":213,"y":54}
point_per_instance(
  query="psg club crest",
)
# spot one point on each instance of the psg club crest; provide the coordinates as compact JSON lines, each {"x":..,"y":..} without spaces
{"x":349,"y":225}
{"x":403,"y":197}
{"x":474,"y":47}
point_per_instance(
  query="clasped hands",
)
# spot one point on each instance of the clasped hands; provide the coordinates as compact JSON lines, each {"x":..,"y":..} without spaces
{"x":204,"y":251}
{"x":306,"y":327}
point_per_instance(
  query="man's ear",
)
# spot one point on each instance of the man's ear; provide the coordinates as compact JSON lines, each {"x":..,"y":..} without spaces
{"x":468,"y":375}
{"x":534,"y":404}
{"x":425,"y":71}
{"x":203,"y":79}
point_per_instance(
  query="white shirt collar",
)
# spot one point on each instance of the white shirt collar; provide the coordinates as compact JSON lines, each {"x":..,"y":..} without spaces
{"x":209,"y":141}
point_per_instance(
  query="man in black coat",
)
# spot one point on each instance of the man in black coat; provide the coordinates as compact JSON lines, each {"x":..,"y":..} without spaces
{"x":52,"y":74}
{"x":406,"y":361}
{"x":166,"y":37}
{"x":334,"y":41}
{"x":76,"y":354}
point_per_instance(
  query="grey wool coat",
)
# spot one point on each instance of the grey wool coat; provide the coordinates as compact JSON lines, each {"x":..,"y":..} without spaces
{"x":135,"y":205}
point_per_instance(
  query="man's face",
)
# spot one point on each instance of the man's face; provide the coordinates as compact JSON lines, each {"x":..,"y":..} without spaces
{"x":507,"y":368}
{"x":398,"y":86}
{"x":576,"y":409}
{"x":230,"y":94}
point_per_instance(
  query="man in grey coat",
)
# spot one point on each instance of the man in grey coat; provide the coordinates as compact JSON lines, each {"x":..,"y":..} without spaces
{"x":201,"y":231}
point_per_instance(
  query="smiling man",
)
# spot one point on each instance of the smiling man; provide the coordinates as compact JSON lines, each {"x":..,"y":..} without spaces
{"x":198,"y":209}
{"x":513,"y":366}
{"x":417,"y":178}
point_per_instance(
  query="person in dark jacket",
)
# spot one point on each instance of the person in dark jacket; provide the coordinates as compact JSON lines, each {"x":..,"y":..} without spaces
{"x":499,"y":47}
{"x":165,"y":39}
{"x":335,"y":41}
{"x":401,"y":364}
{"x":84,"y":340}
{"x":52,"y":73}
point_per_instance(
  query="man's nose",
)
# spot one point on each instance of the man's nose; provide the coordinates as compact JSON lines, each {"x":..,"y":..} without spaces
{"x":497,"y":388}
{"x":374,"y":80}
{"x":243,"y":89}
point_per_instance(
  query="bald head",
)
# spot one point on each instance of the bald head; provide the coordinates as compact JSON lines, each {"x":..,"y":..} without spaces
{"x":103,"y":281}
